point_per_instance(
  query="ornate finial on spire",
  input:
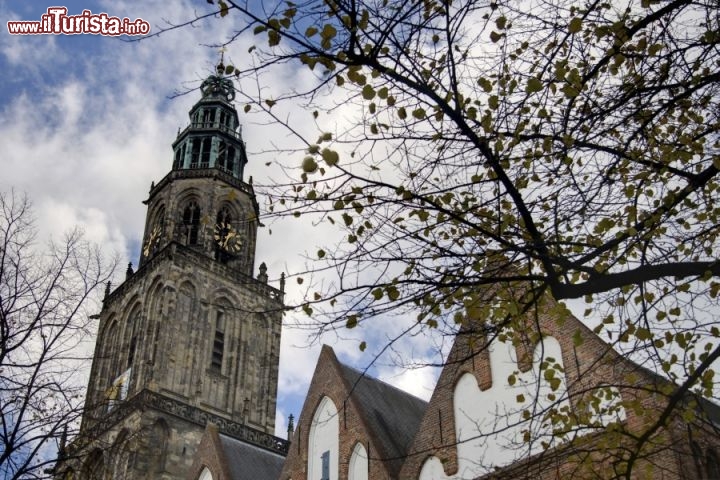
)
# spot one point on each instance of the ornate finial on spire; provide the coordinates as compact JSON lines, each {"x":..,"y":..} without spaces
{"x":129,"y":271}
{"x":221,"y":66}
{"x":291,"y":426}
{"x":107,"y":290}
{"x":282,"y":282}
{"x":217,"y":86}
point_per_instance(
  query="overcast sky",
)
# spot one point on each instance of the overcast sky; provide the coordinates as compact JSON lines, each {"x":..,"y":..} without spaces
{"x":87,"y":124}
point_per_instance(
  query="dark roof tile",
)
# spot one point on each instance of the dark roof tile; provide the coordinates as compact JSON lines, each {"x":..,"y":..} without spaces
{"x":248,"y":462}
{"x":392,"y":414}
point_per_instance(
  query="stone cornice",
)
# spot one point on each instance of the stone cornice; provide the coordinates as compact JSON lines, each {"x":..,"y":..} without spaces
{"x":147,"y":399}
{"x":197,"y":258}
{"x":213,"y":173}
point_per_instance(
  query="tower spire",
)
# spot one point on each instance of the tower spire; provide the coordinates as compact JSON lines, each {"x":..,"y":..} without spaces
{"x":213,"y":140}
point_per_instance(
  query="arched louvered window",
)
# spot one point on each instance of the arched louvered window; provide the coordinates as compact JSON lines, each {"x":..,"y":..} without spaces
{"x":218,"y":351}
{"x":179,"y":157}
{"x":222,"y":154}
{"x":208,"y":117}
{"x":205,"y":158}
{"x":195,"y":154}
{"x":231,"y":158}
{"x":191,"y":222}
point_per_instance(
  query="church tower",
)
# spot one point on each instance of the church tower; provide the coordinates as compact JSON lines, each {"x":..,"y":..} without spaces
{"x":193,"y":336}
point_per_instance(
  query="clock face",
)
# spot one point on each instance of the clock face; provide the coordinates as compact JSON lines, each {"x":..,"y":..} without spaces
{"x":227,"y":238}
{"x":152,"y":241}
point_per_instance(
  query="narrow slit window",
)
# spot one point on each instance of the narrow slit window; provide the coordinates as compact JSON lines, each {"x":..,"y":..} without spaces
{"x":218,"y":342}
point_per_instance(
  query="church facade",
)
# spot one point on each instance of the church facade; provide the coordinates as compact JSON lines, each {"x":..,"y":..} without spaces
{"x":193,"y":336}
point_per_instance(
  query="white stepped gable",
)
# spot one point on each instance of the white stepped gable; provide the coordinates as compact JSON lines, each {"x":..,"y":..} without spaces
{"x":492,"y":430}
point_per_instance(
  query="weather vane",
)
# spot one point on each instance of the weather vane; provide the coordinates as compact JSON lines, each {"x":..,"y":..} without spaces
{"x":221,"y":65}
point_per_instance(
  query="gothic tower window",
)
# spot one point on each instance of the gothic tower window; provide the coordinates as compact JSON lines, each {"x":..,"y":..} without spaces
{"x":208,"y":117}
{"x":222,"y":154}
{"x":206,"y":146}
{"x":231,"y":159}
{"x":222,"y":118}
{"x":179,"y":158}
{"x":218,"y":342}
{"x":160,"y":219}
{"x":226,"y":156}
{"x":132,"y":347}
{"x":191,"y":223}
{"x":195,"y":155}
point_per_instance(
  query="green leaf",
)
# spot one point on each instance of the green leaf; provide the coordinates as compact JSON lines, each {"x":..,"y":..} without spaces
{"x":534,"y":85}
{"x":368,"y":92}
{"x":377,"y":293}
{"x":485,"y":84}
{"x":655,"y":49}
{"x":363,"y":346}
{"x":575,"y":25}
{"x":352,"y":321}
{"x":393,"y":292}
{"x":493,"y":102}
{"x":331,"y":157}
{"x":309,"y":165}
{"x":273,"y":38}
{"x":321,"y":253}
{"x":495,"y":37}
{"x":311,"y":31}
{"x":419,"y":113}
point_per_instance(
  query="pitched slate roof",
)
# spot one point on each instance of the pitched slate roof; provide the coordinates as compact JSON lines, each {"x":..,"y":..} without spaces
{"x":248,"y":462}
{"x":392,"y":415}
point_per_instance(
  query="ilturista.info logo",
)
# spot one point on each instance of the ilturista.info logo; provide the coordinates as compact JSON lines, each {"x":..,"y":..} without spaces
{"x":57,"y":22}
